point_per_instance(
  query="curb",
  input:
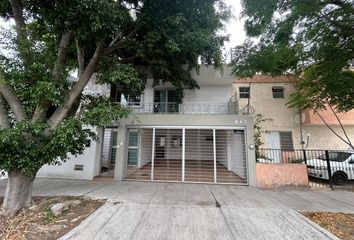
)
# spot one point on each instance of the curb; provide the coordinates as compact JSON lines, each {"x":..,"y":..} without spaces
{"x":318,"y":227}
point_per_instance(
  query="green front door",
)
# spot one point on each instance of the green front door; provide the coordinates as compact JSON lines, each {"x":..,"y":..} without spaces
{"x":133,"y":148}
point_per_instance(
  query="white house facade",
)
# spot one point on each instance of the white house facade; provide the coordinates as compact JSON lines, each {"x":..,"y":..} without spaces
{"x":201,"y":138}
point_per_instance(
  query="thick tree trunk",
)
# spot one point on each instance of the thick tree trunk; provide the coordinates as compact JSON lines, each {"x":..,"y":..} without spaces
{"x":18,"y":192}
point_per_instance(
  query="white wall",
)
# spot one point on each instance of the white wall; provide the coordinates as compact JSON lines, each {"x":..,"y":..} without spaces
{"x":66,"y":169}
{"x":208,"y":94}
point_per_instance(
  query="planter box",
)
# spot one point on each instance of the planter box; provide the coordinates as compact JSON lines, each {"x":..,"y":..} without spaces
{"x":271,"y":175}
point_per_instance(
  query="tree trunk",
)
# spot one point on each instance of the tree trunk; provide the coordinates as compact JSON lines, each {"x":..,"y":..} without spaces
{"x":18,"y":192}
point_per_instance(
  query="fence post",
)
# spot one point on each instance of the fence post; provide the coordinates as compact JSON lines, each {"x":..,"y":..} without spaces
{"x":305,"y":158}
{"x":329,"y":170}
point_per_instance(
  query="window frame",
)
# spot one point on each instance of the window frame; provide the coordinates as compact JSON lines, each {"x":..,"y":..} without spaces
{"x":281,"y":139}
{"x":278,"y":94}
{"x":244,"y":94}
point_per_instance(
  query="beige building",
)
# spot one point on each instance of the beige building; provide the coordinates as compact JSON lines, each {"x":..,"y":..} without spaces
{"x":285,"y":127}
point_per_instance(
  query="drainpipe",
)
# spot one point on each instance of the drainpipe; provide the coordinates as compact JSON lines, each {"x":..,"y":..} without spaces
{"x":301,"y":132}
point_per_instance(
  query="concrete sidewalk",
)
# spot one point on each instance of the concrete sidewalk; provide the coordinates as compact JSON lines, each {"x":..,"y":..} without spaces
{"x":143,"y":210}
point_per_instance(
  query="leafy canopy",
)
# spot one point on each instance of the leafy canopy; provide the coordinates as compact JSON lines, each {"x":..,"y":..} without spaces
{"x":310,"y":39}
{"x":43,"y":111}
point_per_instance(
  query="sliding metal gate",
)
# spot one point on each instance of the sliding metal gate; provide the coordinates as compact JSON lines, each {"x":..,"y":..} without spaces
{"x":187,"y":155}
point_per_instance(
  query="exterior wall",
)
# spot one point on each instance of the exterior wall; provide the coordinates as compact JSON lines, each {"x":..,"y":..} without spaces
{"x":345,"y":118}
{"x":321,"y":137}
{"x":66,"y":169}
{"x":199,"y":121}
{"x":208,"y":94}
{"x":215,"y":88}
{"x":278,"y":175}
{"x":281,"y":118}
{"x":278,"y":116}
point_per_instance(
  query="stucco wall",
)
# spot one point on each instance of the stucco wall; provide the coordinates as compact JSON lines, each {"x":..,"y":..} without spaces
{"x":281,"y":118}
{"x":278,"y":175}
{"x":66,"y":169}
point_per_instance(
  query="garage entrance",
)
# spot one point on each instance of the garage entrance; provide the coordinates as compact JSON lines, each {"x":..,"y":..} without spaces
{"x":203,"y":155}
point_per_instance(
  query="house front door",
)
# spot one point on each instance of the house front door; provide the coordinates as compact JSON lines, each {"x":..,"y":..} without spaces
{"x":273,"y":146}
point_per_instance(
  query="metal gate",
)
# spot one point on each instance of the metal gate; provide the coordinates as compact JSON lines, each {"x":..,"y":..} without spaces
{"x":202,"y":155}
{"x":108,"y":151}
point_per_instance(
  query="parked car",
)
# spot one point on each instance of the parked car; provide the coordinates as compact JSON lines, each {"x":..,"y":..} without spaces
{"x":341,"y":165}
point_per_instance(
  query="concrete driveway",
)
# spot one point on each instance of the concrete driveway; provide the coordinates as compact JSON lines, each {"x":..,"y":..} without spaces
{"x":137,"y":210}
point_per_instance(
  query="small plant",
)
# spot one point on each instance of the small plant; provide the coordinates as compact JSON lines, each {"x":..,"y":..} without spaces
{"x":49,"y":217}
{"x":258,"y":120}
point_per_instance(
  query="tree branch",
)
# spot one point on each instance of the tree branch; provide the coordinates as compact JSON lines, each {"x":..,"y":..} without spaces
{"x":17,"y":10}
{"x":114,"y":45}
{"x":80,"y":59}
{"x":61,"y":112}
{"x":13,"y":101}
{"x":128,"y":59}
{"x":61,"y":56}
{"x":4,"y":122}
{"x":332,"y":130}
{"x":341,"y":126}
{"x":41,"y":108}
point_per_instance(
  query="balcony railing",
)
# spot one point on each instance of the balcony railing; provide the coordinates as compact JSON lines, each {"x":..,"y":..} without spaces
{"x":185,"y":108}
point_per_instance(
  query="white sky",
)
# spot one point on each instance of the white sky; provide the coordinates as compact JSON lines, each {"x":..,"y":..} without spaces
{"x":235,"y":26}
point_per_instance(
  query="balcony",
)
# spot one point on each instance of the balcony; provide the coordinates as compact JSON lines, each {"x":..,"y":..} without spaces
{"x":186,"y":108}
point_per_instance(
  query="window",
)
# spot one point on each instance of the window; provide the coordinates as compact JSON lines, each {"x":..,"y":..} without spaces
{"x":244,"y":92}
{"x":165,"y":101}
{"x":133,"y":148}
{"x":336,"y":156}
{"x":132,"y":99}
{"x":286,"y":140}
{"x":278,"y":92}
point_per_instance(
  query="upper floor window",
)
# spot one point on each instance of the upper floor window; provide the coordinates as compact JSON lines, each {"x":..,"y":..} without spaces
{"x":244,"y":92}
{"x":278,"y":92}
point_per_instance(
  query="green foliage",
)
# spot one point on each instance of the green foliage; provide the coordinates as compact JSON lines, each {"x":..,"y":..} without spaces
{"x":98,"y":111}
{"x":311,"y":40}
{"x":165,"y":38}
{"x":27,"y":146}
{"x":123,"y":75}
{"x":257,"y":121}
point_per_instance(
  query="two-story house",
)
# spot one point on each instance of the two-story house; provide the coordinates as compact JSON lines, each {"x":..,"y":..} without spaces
{"x":200,"y":138}
{"x":287,"y":128}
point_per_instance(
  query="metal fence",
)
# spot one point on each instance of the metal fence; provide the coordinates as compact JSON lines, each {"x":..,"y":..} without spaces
{"x":325,"y":168}
{"x":187,"y":108}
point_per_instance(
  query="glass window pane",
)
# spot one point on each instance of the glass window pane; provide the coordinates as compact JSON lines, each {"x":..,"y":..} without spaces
{"x":133,"y":139}
{"x":244,"y":92}
{"x":132,"y":156}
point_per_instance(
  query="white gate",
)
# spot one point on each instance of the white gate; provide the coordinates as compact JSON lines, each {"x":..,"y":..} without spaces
{"x":203,"y":155}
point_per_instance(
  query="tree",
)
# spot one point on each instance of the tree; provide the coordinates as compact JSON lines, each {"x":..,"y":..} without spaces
{"x":312,"y":40}
{"x":42,"y":113}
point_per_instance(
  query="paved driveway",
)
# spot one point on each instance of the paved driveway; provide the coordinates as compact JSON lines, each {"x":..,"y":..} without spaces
{"x":138,"y":210}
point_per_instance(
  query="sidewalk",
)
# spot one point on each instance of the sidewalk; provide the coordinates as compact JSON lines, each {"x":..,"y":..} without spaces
{"x":144,"y":210}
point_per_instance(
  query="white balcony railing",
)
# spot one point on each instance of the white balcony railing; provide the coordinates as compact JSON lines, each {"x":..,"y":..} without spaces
{"x":185,"y":108}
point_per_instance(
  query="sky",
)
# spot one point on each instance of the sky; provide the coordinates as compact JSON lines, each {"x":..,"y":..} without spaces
{"x":235,"y":25}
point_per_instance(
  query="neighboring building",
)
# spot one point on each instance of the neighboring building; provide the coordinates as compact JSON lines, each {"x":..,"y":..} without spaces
{"x":200,"y":138}
{"x":286,"y":128}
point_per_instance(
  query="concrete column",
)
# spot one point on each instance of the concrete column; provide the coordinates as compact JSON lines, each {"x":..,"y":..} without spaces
{"x":121,"y":157}
{"x":251,"y":154}
{"x":98,"y":153}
